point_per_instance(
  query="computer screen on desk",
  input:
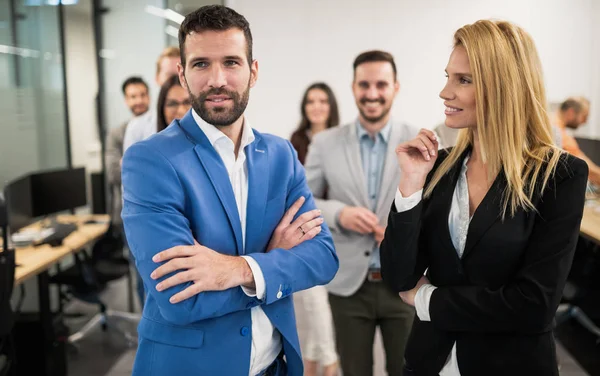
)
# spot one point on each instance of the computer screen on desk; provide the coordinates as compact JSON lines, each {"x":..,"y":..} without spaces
{"x":44,"y":193}
{"x":57,"y":191}
{"x":591,"y":148}
{"x":19,"y":207}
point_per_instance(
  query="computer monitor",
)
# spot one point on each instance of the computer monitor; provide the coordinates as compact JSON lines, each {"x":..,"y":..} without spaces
{"x":57,"y":191}
{"x":590,"y":147}
{"x":44,"y":193}
{"x":19,"y":206}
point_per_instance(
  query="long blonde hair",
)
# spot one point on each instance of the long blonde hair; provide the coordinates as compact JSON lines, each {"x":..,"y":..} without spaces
{"x":513,"y":126}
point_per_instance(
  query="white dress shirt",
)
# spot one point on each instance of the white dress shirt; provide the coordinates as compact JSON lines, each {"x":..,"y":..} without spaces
{"x":266,"y":340}
{"x":140,"y":128}
{"x":458,"y":223}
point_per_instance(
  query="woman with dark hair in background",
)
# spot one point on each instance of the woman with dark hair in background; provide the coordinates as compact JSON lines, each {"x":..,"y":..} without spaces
{"x":319,"y":111}
{"x":173,"y":103}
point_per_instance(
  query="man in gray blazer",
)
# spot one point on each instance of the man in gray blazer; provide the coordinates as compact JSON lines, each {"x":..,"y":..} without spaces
{"x":353,"y":173}
{"x":135,"y":93}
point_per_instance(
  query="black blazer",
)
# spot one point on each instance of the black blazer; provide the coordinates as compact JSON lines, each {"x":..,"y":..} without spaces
{"x":497,"y":302}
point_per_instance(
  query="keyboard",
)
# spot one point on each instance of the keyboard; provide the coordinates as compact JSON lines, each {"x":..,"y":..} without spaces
{"x":61,"y":231}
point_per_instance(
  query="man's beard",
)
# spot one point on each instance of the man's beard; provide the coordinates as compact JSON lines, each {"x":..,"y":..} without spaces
{"x":221,"y":116}
{"x":374,"y":119}
{"x":572,"y":124}
{"x":139,"y":110}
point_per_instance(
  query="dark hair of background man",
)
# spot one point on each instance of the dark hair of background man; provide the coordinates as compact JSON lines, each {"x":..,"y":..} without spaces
{"x":135,"y":80}
{"x":374,"y":56}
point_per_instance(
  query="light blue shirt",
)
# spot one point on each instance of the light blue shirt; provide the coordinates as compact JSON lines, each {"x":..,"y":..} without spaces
{"x":372,"y":153}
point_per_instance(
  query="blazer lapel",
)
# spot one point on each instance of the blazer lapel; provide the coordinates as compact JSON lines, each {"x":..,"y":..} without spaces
{"x":486,"y":214}
{"x":257,"y":157}
{"x":352,"y":149}
{"x":217,"y":174}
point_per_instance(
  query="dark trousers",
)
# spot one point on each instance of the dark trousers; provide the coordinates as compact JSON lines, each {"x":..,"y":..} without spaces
{"x":277,"y":368}
{"x":355,"y":319}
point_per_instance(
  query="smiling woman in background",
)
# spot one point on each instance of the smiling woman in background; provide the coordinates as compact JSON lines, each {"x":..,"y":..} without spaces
{"x":494,"y":220}
{"x":173,"y":103}
{"x":319,"y":111}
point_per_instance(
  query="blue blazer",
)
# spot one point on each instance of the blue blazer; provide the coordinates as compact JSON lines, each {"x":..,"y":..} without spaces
{"x":176,"y":189}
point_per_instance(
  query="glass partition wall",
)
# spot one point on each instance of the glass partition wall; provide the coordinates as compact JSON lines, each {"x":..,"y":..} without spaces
{"x":33,"y":121}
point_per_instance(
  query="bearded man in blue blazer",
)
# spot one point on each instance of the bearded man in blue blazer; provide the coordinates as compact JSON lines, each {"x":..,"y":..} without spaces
{"x":221,"y":222}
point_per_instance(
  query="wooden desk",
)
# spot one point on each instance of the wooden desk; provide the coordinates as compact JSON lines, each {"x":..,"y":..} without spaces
{"x":33,"y":260}
{"x":590,"y":223}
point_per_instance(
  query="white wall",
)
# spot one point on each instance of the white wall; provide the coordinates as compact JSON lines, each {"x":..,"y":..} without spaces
{"x":297,"y":43}
{"x":82,"y":85}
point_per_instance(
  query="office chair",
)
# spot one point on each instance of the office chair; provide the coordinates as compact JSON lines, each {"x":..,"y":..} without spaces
{"x":88,"y":277}
{"x":583,"y":276}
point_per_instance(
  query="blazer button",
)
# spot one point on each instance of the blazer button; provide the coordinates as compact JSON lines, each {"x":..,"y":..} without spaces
{"x":279,"y":294}
{"x":367,"y":253}
{"x":244,"y":331}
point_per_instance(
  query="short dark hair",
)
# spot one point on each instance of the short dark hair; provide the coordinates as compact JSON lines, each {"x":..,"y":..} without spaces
{"x":161,"y":122}
{"x":576,"y":103}
{"x":215,"y":18}
{"x":375,"y":55}
{"x":133,"y":80}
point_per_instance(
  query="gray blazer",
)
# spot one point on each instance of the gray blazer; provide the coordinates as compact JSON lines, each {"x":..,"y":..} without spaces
{"x":112,"y":159}
{"x":333,"y":165}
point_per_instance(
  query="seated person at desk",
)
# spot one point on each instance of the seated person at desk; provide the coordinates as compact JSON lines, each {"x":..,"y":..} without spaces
{"x":573,"y":113}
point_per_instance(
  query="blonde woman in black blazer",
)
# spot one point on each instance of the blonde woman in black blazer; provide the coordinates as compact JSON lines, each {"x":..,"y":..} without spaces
{"x":493,"y":222}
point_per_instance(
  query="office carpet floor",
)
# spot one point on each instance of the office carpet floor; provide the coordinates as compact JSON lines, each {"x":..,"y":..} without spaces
{"x":107,"y":353}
